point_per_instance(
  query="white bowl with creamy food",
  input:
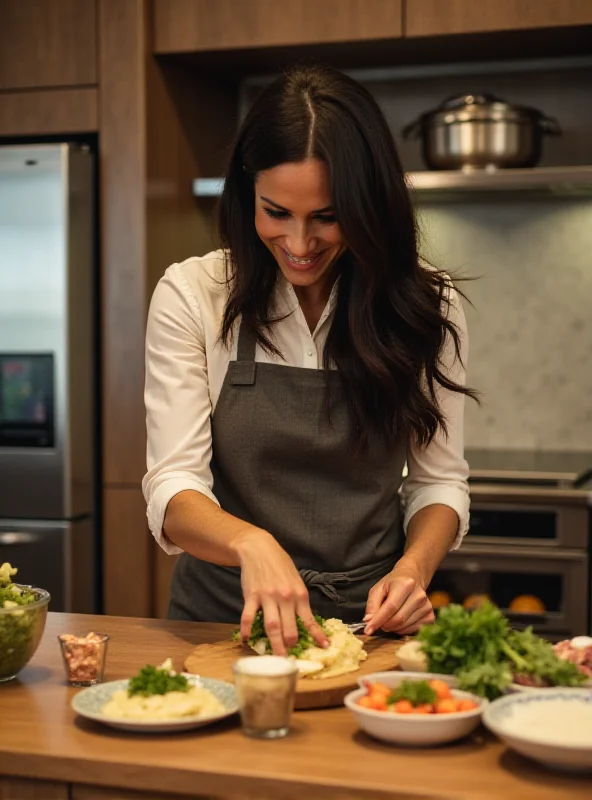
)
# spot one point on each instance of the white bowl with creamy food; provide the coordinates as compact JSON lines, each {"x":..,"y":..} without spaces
{"x":411,"y":729}
{"x":552,"y":726}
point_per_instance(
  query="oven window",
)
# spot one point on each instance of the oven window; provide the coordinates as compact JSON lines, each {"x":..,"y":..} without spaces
{"x":534,"y":595}
{"x":26,"y":400}
{"x":513,"y":524}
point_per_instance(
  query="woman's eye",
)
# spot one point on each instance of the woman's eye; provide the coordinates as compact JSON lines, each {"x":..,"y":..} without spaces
{"x":327,"y":220}
{"x":275,"y":214}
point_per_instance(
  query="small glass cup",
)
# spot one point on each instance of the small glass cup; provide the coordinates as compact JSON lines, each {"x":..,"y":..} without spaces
{"x":266,"y":688}
{"x":84,"y":657}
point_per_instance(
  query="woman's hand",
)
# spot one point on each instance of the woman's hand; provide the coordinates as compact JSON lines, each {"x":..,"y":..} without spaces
{"x":270,"y":581}
{"x":398,"y":602}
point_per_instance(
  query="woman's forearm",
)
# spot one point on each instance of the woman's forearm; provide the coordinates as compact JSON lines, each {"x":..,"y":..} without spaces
{"x":197,"y":525}
{"x":430,"y":534}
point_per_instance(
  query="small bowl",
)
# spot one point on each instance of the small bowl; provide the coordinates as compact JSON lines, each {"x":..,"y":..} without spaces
{"x":544,"y":725}
{"x":415,"y":730}
{"x":21,"y":630}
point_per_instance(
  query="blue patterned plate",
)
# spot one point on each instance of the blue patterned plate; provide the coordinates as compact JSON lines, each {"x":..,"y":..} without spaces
{"x":89,"y":703}
{"x":553,"y":726}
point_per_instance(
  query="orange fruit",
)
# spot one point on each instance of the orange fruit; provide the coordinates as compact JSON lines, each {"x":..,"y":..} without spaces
{"x":473,"y":601}
{"x":527,"y":604}
{"x":439,"y":599}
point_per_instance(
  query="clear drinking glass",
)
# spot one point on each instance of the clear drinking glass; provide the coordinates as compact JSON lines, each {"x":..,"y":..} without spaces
{"x":265,"y":687}
{"x":84,"y":657}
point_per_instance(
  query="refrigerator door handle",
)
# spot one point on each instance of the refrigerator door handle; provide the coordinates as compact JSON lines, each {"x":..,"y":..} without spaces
{"x":8,"y":538}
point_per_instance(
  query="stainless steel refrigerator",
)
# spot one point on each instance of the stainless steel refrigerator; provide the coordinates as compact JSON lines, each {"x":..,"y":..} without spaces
{"x":48,"y":369}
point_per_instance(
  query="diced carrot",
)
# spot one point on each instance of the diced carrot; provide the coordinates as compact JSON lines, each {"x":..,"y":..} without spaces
{"x":380,"y":688}
{"x":366,"y":702}
{"x":446,"y":706}
{"x":441,"y":688}
{"x":466,"y":705}
{"x":424,"y":708}
{"x":403,"y":707}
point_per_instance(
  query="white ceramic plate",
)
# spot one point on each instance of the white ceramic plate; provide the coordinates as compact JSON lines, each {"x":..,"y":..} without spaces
{"x":518,"y":687}
{"x":553,"y":726}
{"x":414,"y":729}
{"x":89,"y":703}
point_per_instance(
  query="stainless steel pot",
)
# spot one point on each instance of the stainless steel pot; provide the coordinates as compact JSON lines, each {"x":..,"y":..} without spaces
{"x":481,"y":132}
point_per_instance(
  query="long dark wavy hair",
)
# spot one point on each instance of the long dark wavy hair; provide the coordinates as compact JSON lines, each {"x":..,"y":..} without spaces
{"x":391,"y":315}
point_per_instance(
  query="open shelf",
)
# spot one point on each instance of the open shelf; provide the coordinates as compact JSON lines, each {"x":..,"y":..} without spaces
{"x":447,"y":185}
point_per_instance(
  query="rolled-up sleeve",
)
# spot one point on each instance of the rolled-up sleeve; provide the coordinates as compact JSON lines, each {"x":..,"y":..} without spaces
{"x":178,"y":406}
{"x":438,"y":473}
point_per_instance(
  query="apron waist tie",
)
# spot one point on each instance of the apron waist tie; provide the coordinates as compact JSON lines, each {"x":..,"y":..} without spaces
{"x":327,"y":581}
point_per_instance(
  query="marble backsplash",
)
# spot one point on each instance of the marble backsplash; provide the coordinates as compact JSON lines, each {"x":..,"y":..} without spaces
{"x":530,"y":322}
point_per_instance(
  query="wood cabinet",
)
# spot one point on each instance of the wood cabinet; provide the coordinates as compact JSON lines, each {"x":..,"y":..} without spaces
{"x":444,"y":17}
{"x":201,"y":25}
{"x":23,"y":789}
{"x":47,"y":43}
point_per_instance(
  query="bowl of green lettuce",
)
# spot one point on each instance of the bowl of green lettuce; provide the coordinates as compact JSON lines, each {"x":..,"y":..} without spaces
{"x":23,"y":611}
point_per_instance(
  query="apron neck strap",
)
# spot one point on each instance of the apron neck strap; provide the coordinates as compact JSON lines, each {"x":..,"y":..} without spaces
{"x":247,"y":342}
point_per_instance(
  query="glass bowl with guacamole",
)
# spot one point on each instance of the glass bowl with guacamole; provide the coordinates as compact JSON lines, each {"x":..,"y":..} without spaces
{"x":23,"y":611}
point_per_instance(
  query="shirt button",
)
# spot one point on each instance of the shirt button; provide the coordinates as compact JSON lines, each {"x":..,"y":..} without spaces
{"x":310,"y":353}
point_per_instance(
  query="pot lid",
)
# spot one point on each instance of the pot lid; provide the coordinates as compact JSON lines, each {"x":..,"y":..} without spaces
{"x":466,"y":107}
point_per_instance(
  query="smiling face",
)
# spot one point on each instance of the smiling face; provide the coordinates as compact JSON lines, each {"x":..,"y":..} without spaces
{"x":295,"y":220}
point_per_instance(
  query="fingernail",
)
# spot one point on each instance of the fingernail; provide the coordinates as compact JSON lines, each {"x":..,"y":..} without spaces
{"x":368,"y":630}
{"x":367,"y":617}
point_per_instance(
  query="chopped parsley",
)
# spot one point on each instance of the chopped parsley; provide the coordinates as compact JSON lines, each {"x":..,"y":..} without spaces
{"x":155,"y":680}
{"x":258,"y":634}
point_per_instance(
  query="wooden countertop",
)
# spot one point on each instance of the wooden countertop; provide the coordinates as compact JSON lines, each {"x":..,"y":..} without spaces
{"x":325,"y":755}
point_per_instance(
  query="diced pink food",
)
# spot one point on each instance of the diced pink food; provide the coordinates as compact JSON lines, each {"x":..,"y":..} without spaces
{"x":83,"y":655}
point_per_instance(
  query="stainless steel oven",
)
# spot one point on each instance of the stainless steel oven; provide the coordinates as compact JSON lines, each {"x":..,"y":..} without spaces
{"x":48,"y":364}
{"x":530,"y":534}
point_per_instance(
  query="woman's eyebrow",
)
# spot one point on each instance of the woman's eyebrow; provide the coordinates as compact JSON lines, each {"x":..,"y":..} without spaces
{"x":281,"y":208}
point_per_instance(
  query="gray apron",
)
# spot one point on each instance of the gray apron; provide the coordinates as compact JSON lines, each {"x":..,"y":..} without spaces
{"x":280,"y":464}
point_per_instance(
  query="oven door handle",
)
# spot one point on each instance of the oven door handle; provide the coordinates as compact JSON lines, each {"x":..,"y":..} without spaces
{"x":13,"y":538}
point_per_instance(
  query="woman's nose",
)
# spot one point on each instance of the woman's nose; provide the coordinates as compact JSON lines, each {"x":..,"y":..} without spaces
{"x":299,"y":243}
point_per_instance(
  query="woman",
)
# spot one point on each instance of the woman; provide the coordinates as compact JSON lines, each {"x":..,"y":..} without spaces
{"x":291,"y":375}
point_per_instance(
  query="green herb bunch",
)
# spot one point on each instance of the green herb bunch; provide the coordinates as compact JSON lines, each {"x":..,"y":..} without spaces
{"x":479,"y":648}
{"x":305,"y":640}
{"x":152,"y":680}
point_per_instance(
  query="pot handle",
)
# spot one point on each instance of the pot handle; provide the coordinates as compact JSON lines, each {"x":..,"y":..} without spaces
{"x":413,"y":130}
{"x":550,"y":126}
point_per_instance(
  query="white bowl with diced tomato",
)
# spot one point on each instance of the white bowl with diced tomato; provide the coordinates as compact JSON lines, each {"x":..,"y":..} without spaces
{"x":452,"y":715}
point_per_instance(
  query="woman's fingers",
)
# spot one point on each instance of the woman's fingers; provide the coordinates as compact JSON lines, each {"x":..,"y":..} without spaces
{"x":410,"y":614}
{"x":288,"y":620}
{"x":310,"y":623}
{"x":273,"y":626}
{"x":399,"y":589}
{"x":248,"y":615}
{"x":428,"y":618}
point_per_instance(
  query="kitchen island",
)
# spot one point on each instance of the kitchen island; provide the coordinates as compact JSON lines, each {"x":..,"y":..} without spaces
{"x":47,"y":753}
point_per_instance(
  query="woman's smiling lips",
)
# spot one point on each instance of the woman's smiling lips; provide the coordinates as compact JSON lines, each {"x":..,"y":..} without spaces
{"x":301,"y":264}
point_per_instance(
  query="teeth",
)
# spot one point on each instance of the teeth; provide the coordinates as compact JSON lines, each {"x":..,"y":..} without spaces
{"x":299,"y":260}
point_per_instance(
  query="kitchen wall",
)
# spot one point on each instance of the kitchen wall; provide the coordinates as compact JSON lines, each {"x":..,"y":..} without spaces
{"x":529,"y":325}
{"x":530,"y":331}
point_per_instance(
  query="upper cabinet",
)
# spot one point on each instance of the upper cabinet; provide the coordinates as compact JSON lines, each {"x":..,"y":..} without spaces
{"x":47,"y":43}
{"x":445,"y":17}
{"x":204,"y":25}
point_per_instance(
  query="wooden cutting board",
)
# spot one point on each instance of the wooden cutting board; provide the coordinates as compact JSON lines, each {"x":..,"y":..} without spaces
{"x":215,"y":661}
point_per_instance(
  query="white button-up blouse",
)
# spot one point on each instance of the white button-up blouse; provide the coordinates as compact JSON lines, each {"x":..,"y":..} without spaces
{"x":185,"y":368}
